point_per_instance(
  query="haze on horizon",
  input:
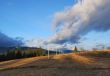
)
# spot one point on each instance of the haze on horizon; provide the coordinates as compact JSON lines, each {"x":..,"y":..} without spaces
{"x":57,"y":24}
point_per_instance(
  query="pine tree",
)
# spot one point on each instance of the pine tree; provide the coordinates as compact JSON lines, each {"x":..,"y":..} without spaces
{"x":75,"y":49}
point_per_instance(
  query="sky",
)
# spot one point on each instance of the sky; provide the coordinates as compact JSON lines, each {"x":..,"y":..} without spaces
{"x":29,"y":18}
{"x":84,"y":23}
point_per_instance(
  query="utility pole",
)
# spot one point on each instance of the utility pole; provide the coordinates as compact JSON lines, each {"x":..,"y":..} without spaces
{"x":48,"y":53}
{"x":56,"y":51}
{"x":60,"y":52}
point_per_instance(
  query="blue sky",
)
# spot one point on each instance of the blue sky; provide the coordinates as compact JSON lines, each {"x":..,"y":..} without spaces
{"x":33,"y":19}
{"x":95,"y":40}
{"x":29,"y":18}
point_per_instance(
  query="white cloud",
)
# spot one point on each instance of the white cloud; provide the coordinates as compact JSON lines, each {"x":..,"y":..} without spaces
{"x":75,"y":22}
{"x":83,"y":17}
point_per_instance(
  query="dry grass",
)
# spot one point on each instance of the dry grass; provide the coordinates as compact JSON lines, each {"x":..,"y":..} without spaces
{"x":78,"y":64}
{"x":19,"y":62}
{"x":75,"y":58}
{"x":103,"y":54}
{"x":5,"y":62}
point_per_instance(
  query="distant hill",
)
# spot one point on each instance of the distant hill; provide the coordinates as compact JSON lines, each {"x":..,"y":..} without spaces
{"x":5,"y":49}
{"x":67,"y":51}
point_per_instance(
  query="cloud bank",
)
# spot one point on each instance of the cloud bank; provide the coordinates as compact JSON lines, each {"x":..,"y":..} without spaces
{"x":6,"y":41}
{"x":83,"y":17}
{"x":75,"y":22}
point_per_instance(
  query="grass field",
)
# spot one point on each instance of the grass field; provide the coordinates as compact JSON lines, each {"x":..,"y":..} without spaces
{"x":76,"y":64}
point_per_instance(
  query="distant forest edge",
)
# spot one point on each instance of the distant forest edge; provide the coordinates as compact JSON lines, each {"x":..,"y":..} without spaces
{"x":22,"y":52}
{"x":10,"y":53}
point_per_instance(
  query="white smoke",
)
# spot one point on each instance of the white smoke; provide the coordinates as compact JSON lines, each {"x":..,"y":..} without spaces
{"x":83,"y":17}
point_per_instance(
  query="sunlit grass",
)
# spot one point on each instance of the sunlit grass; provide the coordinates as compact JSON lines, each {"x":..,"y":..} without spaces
{"x":75,"y":58}
{"x":78,"y":58}
{"x":20,"y":62}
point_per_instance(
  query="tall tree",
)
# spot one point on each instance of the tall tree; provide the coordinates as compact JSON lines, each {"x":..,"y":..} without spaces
{"x":75,"y":49}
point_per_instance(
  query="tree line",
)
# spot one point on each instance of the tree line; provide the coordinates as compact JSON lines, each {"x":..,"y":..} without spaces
{"x":18,"y":54}
{"x":25,"y":52}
